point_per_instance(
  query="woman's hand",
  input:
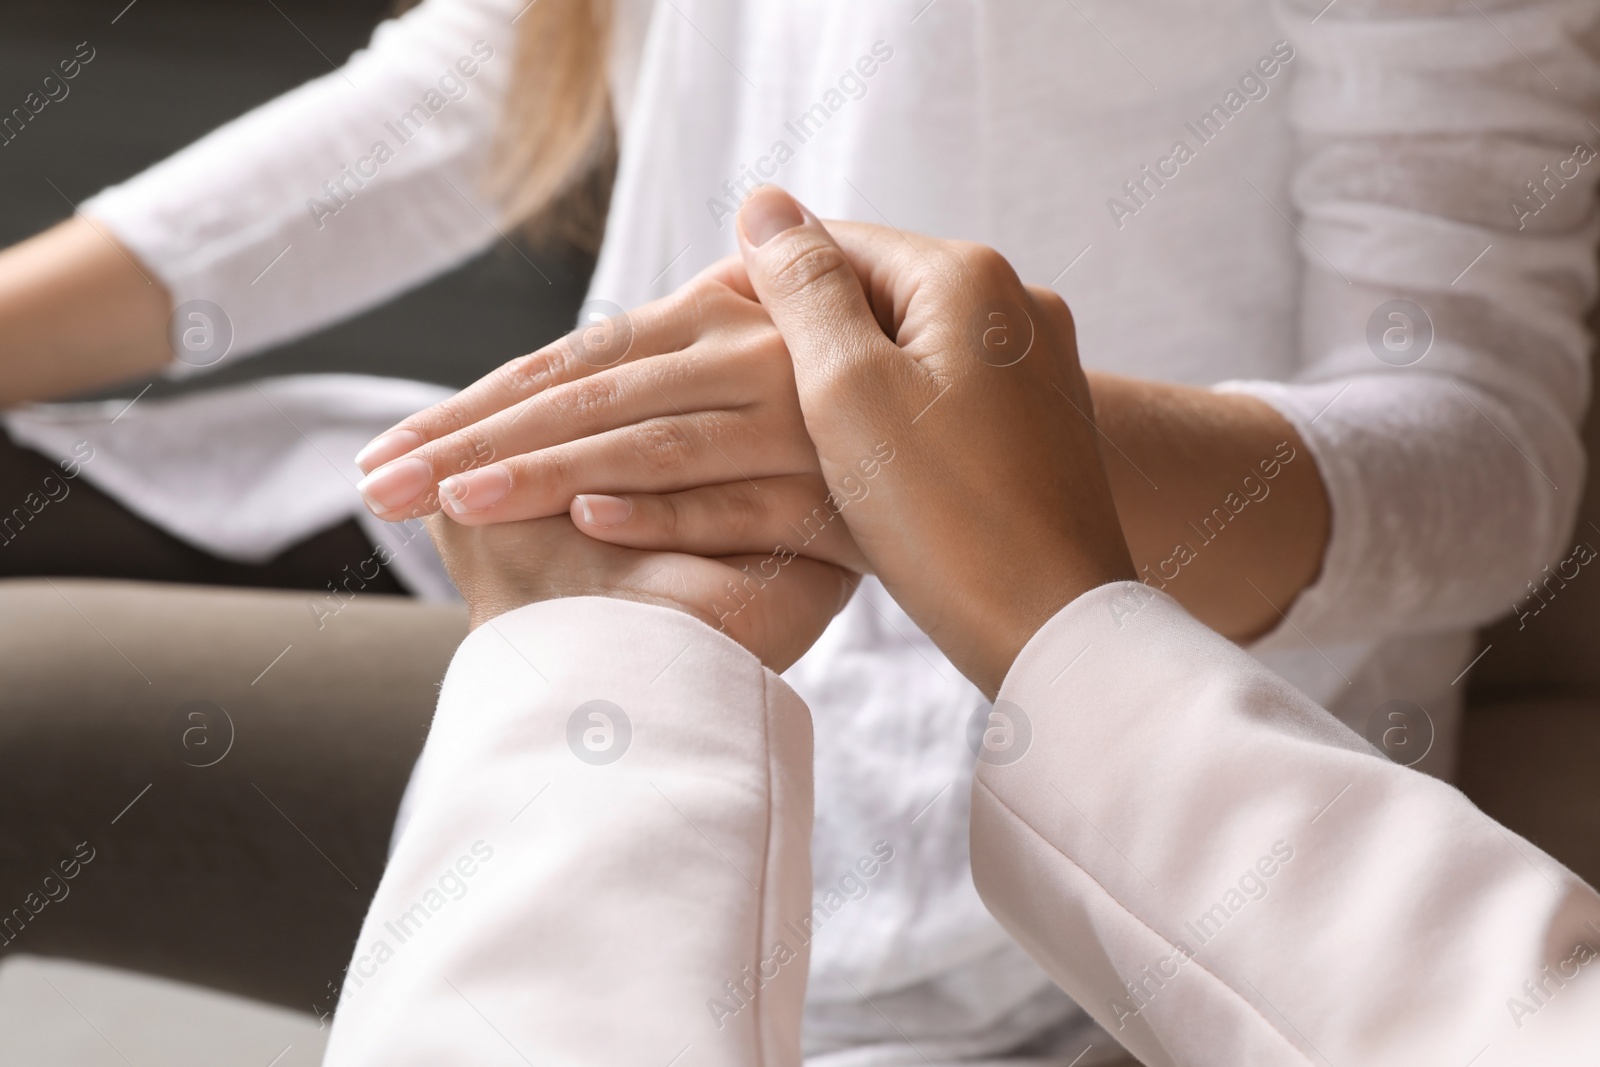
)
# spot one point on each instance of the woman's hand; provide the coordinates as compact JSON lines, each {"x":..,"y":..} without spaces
{"x":953,"y":423}
{"x":995,"y":511}
{"x":690,"y":399}
{"x":775,"y":606}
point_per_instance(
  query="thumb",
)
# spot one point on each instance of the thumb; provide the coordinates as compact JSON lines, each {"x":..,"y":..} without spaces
{"x":804,"y":280}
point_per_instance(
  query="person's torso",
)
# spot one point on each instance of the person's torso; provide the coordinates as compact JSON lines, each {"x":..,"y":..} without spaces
{"x":1135,"y":157}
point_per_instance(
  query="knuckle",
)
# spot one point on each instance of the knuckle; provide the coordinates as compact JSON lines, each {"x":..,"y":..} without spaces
{"x":1059,"y":332}
{"x":671,"y":517}
{"x":1053,"y":305}
{"x":671,"y":315}
{"x":445,"y":417}
{"x":700,"y":300}
{"x":723,"y":310}
{"x":591,"y":401}
{"x":554,"y":469}
{"x":531,"y":373}
{"x":743,"y":514}
{"x":976,"y":269}
{"x":802,"y":263}
{"x":980,"y":259}
{"x":557,"y":363}
{"x":664,"y":446}
{"x":697,"y":295}
{"x":476,"y":449}
{"x":460,"y":451}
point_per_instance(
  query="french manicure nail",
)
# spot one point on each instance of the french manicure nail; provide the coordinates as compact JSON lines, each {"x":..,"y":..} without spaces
{"x":394,"y":485}
{"x":767,"y":213}
{"x":603,"y":511}
{"x":475,"y":490}
{"x":386,"y":447}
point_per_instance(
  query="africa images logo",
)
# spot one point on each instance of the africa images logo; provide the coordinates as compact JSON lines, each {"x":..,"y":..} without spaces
{"x":599,"y":732}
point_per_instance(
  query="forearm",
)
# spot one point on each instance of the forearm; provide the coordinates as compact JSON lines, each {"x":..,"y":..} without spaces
{"x":1222,"y":505}
{"x":77,"y":310}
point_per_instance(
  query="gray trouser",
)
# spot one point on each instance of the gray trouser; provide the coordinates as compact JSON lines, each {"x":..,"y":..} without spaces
{"x":201,"y":782}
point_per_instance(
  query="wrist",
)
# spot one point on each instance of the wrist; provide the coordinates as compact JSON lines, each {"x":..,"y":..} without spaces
{"x":1004,"y":626}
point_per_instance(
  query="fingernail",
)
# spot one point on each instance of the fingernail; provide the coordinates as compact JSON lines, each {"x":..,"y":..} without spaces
{"x":395,"y":485}
{"x":767,"y":213}
{"x":475,"y":490}
{"x":603,"y":511}
{"x":385,"y":447}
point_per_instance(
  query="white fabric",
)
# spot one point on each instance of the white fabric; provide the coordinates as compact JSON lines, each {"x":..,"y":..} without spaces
{"x":305,"y":455}
{"x":1349,"y":910}
{"x":1378,"y":164}
{"x":602,"y":904}
{"x":1391,"y":922}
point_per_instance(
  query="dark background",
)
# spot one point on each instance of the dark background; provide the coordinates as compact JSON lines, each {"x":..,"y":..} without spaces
{"x":169,"y":71}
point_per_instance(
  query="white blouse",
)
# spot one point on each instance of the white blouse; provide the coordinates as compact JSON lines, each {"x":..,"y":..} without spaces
{"x":1227,"y":193}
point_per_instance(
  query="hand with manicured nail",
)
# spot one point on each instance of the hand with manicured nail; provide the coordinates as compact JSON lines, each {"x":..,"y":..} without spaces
{"x":774,"y":606}
{"x":688,"y":392}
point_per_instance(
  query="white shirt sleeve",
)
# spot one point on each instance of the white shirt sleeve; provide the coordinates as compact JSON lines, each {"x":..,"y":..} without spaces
{"x":1447,"y":158}
{"x":1221,"y":873}
{"x":607,"y":859}
{"x":338,"y":194}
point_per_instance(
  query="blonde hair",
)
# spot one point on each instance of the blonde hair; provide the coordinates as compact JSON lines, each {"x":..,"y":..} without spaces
{"x":555,"y":152}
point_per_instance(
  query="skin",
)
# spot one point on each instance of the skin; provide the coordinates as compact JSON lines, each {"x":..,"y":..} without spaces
{"x":78,"y":311}
{"x":1175,"y":454}
{"x":648,"y":460}
{"x":692,"y":390}
{"x":505,"y":566}
{"x":995,"y":511}
{"x":964,"y":487}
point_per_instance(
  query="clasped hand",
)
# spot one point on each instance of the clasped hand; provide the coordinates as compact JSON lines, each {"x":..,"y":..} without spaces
{"x":832,"y":400}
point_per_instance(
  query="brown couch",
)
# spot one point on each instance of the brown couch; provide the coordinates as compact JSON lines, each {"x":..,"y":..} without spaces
{"x":1530,"y":753}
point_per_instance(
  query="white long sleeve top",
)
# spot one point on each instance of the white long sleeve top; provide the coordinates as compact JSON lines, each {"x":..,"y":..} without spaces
{"x":1335,"y":158}
{"x":1215,"y":867}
